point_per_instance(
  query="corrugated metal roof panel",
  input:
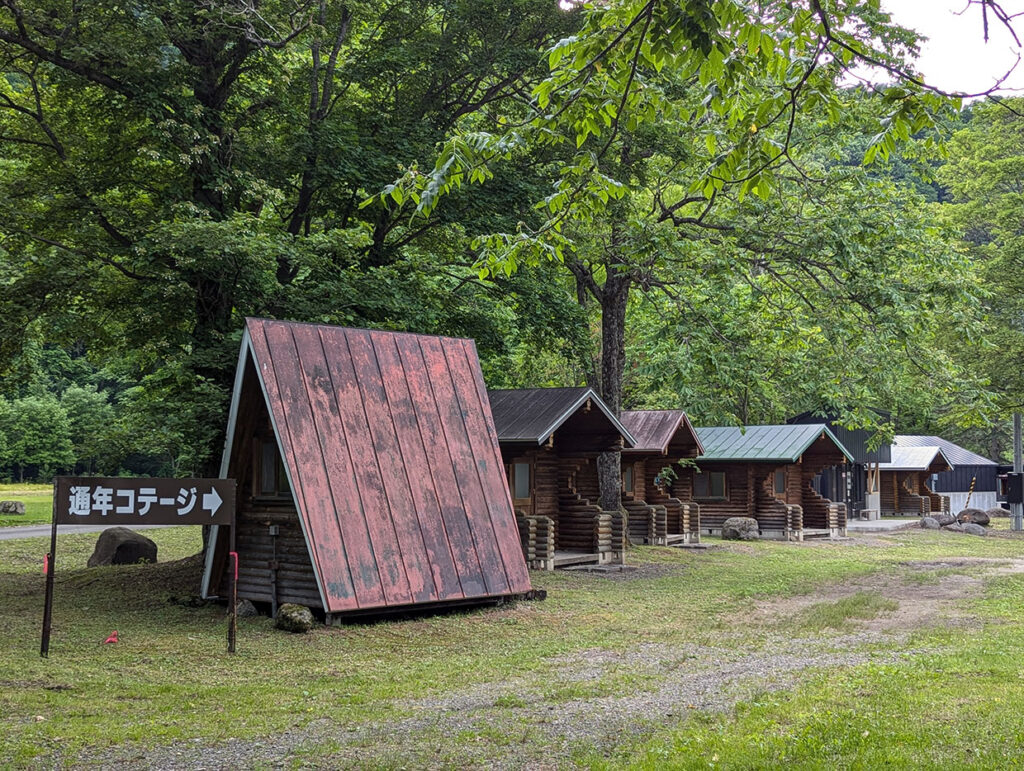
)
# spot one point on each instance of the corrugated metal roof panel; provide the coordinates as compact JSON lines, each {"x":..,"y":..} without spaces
{"x":914,"y":458}
{"x":393,"y":459}
{"x":655,"y":430}
{"x":762,"y":443}
{"x":855,"y":440}
{"x":534,"y":414}
{"x":957,"y":455}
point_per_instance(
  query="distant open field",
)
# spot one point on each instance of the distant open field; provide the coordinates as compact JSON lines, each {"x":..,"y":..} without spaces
{"x":38,"y":500}
{"x":896,"y":651}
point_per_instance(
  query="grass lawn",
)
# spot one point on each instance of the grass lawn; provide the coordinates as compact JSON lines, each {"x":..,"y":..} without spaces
{"x":897,"y":650}
{"x":38,"y":500}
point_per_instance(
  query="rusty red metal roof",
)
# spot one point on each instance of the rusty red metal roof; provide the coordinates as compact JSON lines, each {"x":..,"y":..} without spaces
{"x":393,"y":460}
{"x":658,"y":431}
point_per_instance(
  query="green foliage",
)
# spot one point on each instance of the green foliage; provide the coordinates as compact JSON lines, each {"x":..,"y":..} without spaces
{"x":91,"y":418}
{"x":38,"y":435}
{"x":983,"y":173}
{"x":169,"y":170}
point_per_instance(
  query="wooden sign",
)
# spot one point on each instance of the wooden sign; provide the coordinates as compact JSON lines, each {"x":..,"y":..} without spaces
{"x":128,"y":502}
{"x":131,"y":502}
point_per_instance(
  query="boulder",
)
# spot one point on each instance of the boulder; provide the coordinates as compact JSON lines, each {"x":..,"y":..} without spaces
{"x":929,"y":523}
{"x":998,"y":511}
{"x":121,"y":546}
{"x":245,"y":609}
{"x":956,"y":527}
{"x":12,"y":507}
{"x":974,"y":529}
{"x":294,"y":618}
{"x":740,"y":529}
{"x":944,"y":518}
{"x":977,"y":516}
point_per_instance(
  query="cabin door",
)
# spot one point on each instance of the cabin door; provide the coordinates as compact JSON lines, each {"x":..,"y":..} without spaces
{"x":520,"y":483}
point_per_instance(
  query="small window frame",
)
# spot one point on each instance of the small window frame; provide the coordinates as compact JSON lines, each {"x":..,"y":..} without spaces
{"x":628,"y":480}
{"x":711,"y":480}
{"x":267,"y":460}
{"x":779,"y":476}
{"x":514,"y":469}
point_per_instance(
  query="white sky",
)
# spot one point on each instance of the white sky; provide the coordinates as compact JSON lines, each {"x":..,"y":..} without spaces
{"x":956,"y":56}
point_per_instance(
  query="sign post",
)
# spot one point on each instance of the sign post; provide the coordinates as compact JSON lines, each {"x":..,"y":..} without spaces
{"x":48,"y":565}
{"x":131,"y":502}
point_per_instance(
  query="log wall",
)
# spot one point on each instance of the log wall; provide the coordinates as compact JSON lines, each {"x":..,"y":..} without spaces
{"x":256,"y":548}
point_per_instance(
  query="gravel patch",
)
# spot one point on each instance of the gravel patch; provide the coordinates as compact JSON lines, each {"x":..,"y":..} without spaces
{"x":595,"y":699}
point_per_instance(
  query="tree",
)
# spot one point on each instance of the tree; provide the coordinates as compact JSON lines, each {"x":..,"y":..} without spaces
{"x":91,"y":426}
{"x":38,"y":437}
{"x":746,"y":86}
{"x":984,"y":174}
{"x":170,"y":167}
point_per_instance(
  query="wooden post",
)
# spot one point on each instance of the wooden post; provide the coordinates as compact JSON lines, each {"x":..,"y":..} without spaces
{"x":233,"y":613}
{"x":1017,"y":509}
{"x":51,"y":561}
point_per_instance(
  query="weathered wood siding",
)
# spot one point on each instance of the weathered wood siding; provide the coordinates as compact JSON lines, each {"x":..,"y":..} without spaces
{"x":258,"y":551}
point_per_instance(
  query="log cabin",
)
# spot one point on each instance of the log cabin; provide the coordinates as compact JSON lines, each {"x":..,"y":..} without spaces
{"x":904,"y":481}
{"x":369,"y":475}
{"x":972,"y":477}
{"x":656,"y":516}
{"x":550,"y":439}
{"x":854,"y":484}
{"x":766,"y":472}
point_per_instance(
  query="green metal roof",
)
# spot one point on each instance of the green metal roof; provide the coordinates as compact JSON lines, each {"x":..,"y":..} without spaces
{"x":763,"y":443}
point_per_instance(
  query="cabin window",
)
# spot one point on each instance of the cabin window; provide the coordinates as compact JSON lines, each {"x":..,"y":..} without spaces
{"x":273,"y":480}
{"x":709,"y":485}
{"x":521,"y":481}
{"x":780,"y":481}
{"x":627,"y":479}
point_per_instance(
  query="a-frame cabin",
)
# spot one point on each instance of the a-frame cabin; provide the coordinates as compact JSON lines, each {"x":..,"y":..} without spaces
{"x":550,"y":439}
{"x":369,"y":475}
{"x":663,"y":438}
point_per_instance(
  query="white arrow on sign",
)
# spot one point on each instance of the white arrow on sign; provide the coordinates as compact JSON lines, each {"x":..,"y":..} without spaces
{"x":212,"y":501}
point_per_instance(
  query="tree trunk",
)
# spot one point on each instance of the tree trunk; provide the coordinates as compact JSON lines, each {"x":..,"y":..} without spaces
{"x":615,"y":294}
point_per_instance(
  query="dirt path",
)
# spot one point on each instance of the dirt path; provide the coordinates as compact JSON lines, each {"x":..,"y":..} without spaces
{"x":598,"y":699}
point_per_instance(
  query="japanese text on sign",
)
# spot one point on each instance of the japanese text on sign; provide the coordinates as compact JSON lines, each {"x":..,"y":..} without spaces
{"x":154,"y":501}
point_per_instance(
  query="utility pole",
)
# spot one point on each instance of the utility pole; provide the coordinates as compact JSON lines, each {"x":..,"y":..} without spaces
{"x":1017,"y":509}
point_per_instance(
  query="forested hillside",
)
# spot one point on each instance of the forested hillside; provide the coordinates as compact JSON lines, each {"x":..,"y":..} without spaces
{"x":680,"y":204}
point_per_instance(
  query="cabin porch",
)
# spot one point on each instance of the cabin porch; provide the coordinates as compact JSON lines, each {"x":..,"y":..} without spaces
{"x":559,"y":526}
{"x":906,"y":493}
{"x":658,"y":513}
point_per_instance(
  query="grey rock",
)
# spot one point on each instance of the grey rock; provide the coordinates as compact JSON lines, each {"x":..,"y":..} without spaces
{"x":12,"y":507}
{"x":245,"y":609}
{"x":740,"y":529}
{"x":956,"y":527}
{"x":998,"y":511}
{"x":294,"y":618}
{"x":977,"y":516}
{"x":121,"y":546}
{"x":974,"y":529}
{"x":930,"y":523}
{"x":944,"y":518}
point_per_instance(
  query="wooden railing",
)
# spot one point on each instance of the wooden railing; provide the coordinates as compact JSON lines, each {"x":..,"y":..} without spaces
{"x":537,"y":535}
{"x":643,"y":525}
{"x":776,"y":516}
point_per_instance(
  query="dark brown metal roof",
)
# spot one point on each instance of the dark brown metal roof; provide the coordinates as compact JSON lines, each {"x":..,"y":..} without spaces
{"x":393,"y":459}
{"x":533,"y":415}
{"x":659,"y":431}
